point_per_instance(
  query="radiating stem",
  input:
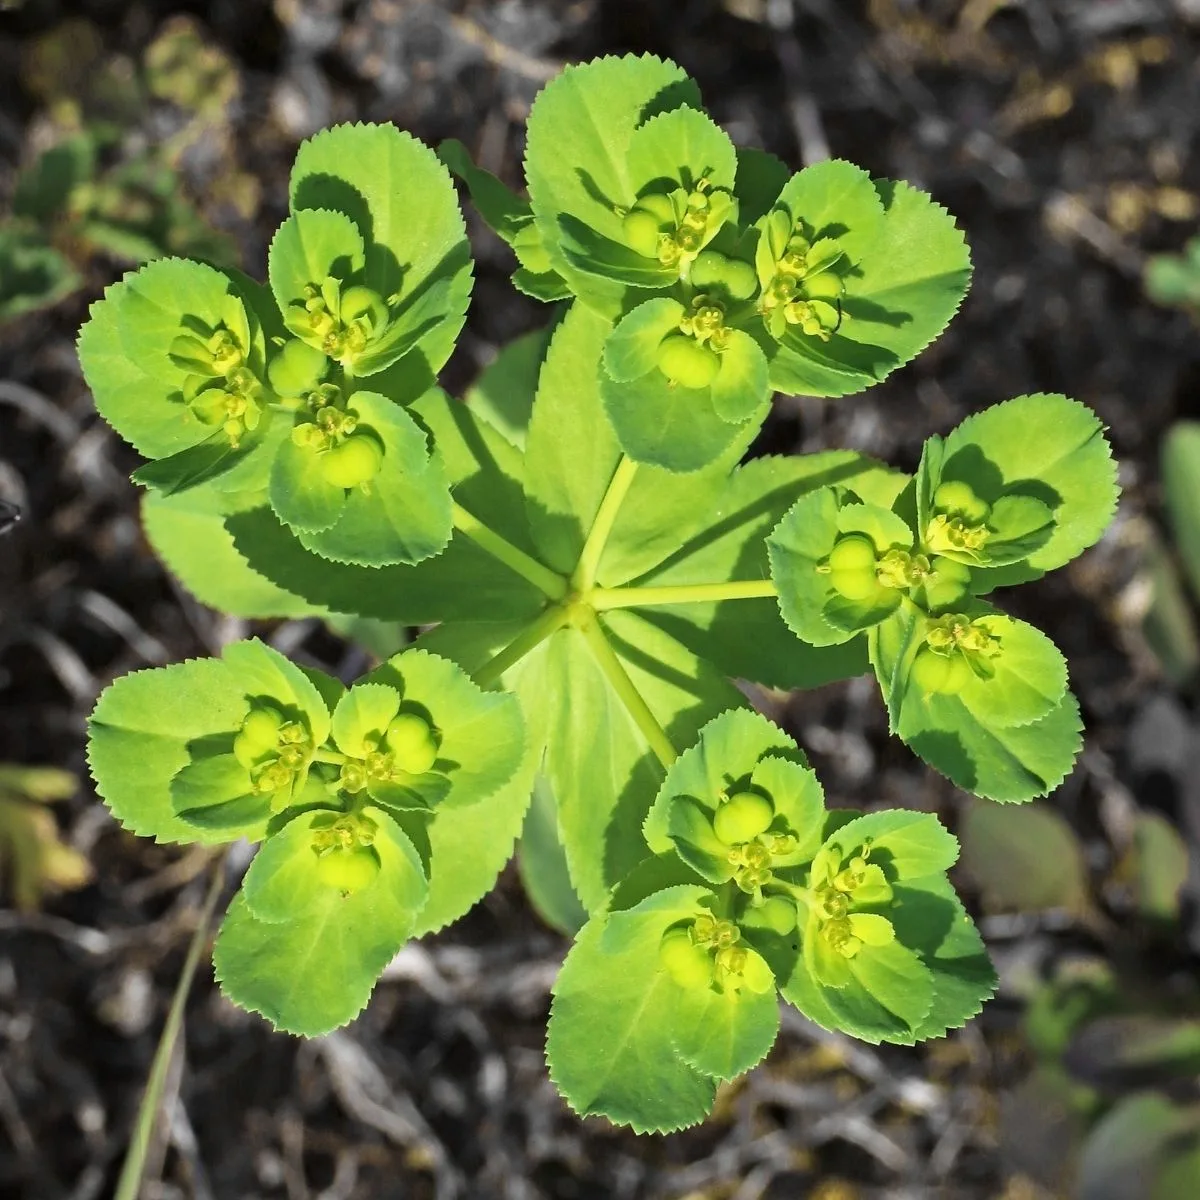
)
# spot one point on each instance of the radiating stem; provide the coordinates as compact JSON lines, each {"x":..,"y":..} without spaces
{"x":606,"y":515}
{"x":525,"y":565}
{"x":130,"y":1184}
{"x":618,"y":679}
{"x":686,"y":593}
{"x":554,"y":618}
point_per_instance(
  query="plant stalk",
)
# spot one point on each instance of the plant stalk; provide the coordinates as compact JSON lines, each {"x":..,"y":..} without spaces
{"x":553,"y":619}
{"x":528,"y":567}
{"x":130,"y":1183}
{"x":687,"y":593}
{"x":606,"y":515}
{"x":618,"y":679}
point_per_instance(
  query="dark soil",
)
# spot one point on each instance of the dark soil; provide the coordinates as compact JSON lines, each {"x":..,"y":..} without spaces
{"x":1063,"y":136}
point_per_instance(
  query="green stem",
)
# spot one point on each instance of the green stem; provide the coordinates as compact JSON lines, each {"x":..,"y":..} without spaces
{"x":329,"y":756}
{"x":618,"y":679}
{"x":686,"y":593}
{"x":606,"y":515}
{"x":553,"y":619}
{"x":129,"y":1185}
{"x":528,"y":567}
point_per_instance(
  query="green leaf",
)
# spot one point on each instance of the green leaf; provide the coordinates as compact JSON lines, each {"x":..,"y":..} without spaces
{"x":682,"y":146}
{"x":887,"y":996}
{"x":612,"y":992}
{"x":1024,"y":860}
{"x":402,"y":515}
{"x":468,"y":845}
{"x":1005,"y":763}
{"x":908,"y":845}
{"x":124,"y":346}
{"x":930,"y":919}
{"x":631,"y":350}
{"x":216,"y":794}
{"x":727,"y":750}
{"x":598,"y":763}
{"x":464,"y":582}
{"x":725,"y":1033}
{"x":215,"y":460}
{"x":741,"y":384}
{"x":43,"y":189}
{"x":760,"y":179}
{"x":299,"y":492}
{"x":482,"y":734}
{"x":1132,"y":1150}
{"x":282,"y":882}
{"x":1048,"y":447}
{"x":593,"y":110}
{"x":1180,"y":462}
{"x":309,"y":975}
{"x":1160,"y":862}
{"x":138,"y":737}
{"x":309,"y":247}
{"x":263,"y":671}
{"x":1030,"y":678}
{"x":511,"y":219}
{"x":748,"y":638}
{"x":502,"y":394}
{"x":188,"y":533}
{"x":663,"y":424}
{"x":364,"y":711}
{"x":799,"y":548}
{"x":911,"y":278}
{"x":34,"y":275}
{"x":572,"y":454}
{"x":543,"y":865}
{"x":505,"y":213}
{"x":403,"y":202}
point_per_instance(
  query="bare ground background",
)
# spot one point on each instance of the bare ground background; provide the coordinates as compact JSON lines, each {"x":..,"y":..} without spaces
{"x":1063,"y":135}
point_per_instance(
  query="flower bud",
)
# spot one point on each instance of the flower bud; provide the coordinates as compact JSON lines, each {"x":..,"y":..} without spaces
{"x":684,"y":361}
{"x":742,"y":817}
{"x":689,"y":965}
{"x":959,"y":500}
{"x":348,"y":870}
{"x":412,"y":741}
{"x":355,"y":461}
{"x":258,"y":736}
{"x":942,"y":674}
{"x":297,"y":368}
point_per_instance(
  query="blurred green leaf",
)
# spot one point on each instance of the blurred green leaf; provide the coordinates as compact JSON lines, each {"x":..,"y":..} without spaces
{"x":1023,"y":859}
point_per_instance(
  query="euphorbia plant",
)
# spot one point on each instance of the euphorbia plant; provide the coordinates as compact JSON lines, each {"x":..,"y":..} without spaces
{"x":597,"y":566}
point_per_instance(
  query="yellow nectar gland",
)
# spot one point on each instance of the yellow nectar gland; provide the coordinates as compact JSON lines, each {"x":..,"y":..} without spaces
{"x":805,"y":292}
{"x":708,"y":953}
{"x":343,"y":322}
{"x":674,"y":228}
{"x":217,"y":354}
{"x":409,"y":746}
{"x":742,"y":822}
{"x":273,"y":749}
{"x":959,"y":524}
{"x":842,"y":886}
{"x":236,"y":403}
{"x":348,"y":458}
{"x":956,"y":651}
{"x":345,"y":857}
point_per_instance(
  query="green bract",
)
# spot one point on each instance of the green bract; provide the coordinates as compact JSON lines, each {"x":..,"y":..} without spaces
{"x":251,"y":392}
{"x":980,"y":696}
{"x":593,"y":565}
